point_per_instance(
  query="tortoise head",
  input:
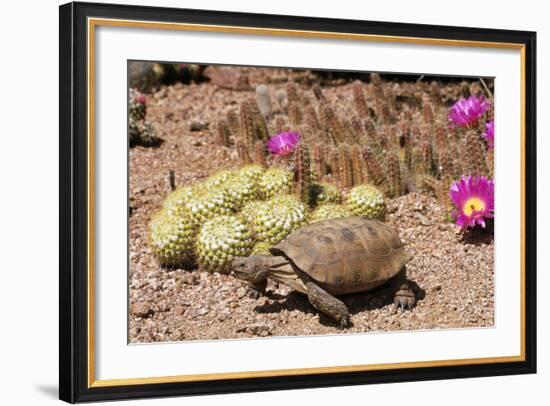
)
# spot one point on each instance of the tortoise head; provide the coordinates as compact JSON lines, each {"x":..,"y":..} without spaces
{"x":252,"y":269}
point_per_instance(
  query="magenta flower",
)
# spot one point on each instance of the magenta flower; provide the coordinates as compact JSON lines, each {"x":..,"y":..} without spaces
{"x":283,"y":143}
{"x":474,"y":198}
{"x":466,"y":112}
{"x":489,"y":133}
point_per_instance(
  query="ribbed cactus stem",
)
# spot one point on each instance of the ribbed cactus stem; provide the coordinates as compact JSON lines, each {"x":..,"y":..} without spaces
{"x":280,"y":123}
{"x":334,"y":164}
{"x":474,"y":154}
{"x":294,"y":114}
{"x":394,"y":175}
{"x":260,"y":153}
{"x":247,"y":126}
{"x":292,"y":93}
{"x":233,"y":123}
{"x":242,"y":152}
{"x":318,"y":157}
{"x":427,"y":112}
{"x":346,"y":174}
{"x":357,"y":165}
{"x":311,"y":119}
{"x":359,"y":100}
{"x":332,"y":125}
{"x":375,"y":171}
{"x":318,"y":93}
{"x":223,"y":133}
{"x":302,"y":176}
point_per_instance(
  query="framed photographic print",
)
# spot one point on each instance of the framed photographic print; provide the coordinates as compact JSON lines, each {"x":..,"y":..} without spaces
{"x":255,"y":202}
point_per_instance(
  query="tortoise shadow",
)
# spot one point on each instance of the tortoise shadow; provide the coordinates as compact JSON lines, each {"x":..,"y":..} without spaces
{"x":377,"y":298}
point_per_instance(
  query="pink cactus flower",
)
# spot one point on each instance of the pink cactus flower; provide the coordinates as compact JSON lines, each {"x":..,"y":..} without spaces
{"x":283,"y":143}
{"x":489,"y":133}
{"x":466,"y":112}
{"x":474,"y":198}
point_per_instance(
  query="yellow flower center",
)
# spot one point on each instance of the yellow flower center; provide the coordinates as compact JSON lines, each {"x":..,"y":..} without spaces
{"x":473,"y":204}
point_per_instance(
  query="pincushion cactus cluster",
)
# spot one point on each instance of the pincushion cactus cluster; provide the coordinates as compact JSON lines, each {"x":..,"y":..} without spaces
{"x":366,"y":200}
{"x":220,"y":240}
{"x":241,"y":212}
{"x":140,"y":131}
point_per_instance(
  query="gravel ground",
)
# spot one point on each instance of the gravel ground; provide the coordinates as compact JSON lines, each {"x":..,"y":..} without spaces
{"x":452,"y":276}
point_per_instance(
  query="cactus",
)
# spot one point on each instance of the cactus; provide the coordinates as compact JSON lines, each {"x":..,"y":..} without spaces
{"x":330,"y":211}
{"x":242,"y":152}
{"x":261,"y":248}
{"x":275,"y":181}
{"x":233,"y":123}
{"x":142,"y":133}
{"x":137,"y":107}
{"x":359,"y":100}
{"x":346,"y":174}
{"x":357,"y":166}
{"x":223,"y":134}
{"x":172,"y":239}
{"x":220,"y":240}
{"x":474,"y":153}
{"x":302,"y":174}
{"x":311,"y":119}
{"x":394,"y":175}
{"x":274,"y":219}
{"x":318,"y":157}
{"x":366,"y":200}
{"x":375,"y":171}
{"x":260,"y":154}
{"x":292,"y":93}
{"x":322,"y":192}
{"x":294,"y":114}
{"x":333,"y":163}
{"x":208,"y":202}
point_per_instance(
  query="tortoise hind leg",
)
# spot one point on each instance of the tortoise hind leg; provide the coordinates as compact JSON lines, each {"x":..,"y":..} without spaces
{"x":328,"y":304}
{"x":403,"y":295}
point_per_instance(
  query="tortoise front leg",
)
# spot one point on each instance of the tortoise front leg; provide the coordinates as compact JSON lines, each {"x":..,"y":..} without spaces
{"x":328,"y":304}
{"x":257,"y":290}
{"x":403,"y":296}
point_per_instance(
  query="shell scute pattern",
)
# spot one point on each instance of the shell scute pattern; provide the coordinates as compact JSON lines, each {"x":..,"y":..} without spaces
{"x":346,"y":253}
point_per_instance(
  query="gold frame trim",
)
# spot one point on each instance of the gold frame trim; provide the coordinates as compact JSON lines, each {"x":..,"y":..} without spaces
{"x":94,"y":22}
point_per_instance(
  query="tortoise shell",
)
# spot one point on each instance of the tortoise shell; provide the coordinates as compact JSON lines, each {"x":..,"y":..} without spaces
{"x":345,"y":255}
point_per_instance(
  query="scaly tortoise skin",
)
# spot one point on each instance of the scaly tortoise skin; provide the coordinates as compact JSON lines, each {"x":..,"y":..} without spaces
{"x":334,"y":257}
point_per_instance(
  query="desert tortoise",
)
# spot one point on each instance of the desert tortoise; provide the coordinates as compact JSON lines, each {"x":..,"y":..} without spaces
{"x":334,"y":257}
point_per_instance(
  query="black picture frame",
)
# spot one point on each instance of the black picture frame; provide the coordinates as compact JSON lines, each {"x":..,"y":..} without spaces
{"x":74,"y":384}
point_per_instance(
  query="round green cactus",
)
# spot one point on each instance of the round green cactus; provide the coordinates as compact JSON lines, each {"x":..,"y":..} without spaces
{"x":252,"y":171}
{"x":220,"y":240}
{"x":172,"y":239}
{"x":330,"y":211}
{"x":219,"y":178}
{"x":366,"y":200}
{"x":275,"y":181}
{"x":323,"y":192}
{"x":241,"y":190}
{"x":274,"y":219}
{"x":176,"y":200}
{"x":206,"y":203}
{"x":261,"y":248}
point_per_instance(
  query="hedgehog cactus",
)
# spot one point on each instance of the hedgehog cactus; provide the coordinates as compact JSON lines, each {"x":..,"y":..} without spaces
{"x":274,"y":219}
{"x":330,"y":211}
{"x":275,"y":181}
{"x":302,"y":163}
{"x":323,"y":192}
{"x":220,"y":240}
{"x":172,"y":239}
{"x":366,"y":200}
{"x":207,"y":203}
{"x":240,"y":190}
{"x":137,"y":107}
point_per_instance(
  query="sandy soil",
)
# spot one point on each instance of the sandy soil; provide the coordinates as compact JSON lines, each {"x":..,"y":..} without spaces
{"x":452,"y":276}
